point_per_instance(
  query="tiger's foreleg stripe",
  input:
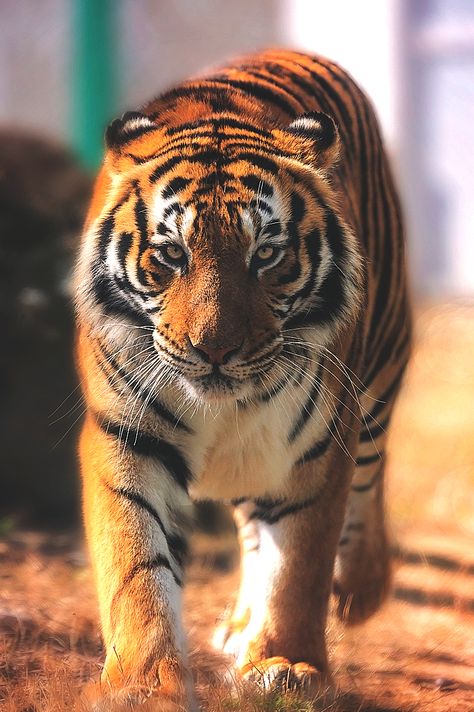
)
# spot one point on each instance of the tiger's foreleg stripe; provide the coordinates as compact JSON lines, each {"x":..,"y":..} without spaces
{"x":176,"y":544}
{"x":149,"y":446}
{"x":157,"y":562}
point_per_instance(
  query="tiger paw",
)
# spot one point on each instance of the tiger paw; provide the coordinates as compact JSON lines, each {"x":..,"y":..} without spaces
{"x":170,"y":691}
{"x":95,"y":699}
{"x":278,"y":673}
{"x":360,"y":593}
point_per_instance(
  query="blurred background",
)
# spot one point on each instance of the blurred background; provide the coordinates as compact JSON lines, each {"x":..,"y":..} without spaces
{"x":67,"y":67}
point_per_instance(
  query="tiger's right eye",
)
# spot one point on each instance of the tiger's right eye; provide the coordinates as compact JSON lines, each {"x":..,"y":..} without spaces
{"x":173,"y":252}
{"x":172,"y":255}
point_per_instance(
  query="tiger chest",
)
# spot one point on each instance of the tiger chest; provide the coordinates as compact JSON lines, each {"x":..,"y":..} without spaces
{"x":239,"y":453}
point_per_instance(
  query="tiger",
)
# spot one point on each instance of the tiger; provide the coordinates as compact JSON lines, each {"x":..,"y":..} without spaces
{"x":243,"y":327}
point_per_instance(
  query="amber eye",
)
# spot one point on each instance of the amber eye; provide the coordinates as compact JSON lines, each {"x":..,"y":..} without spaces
{"x":173,"y":252}
{"x":266,"y":253}
{"x":172,"y":255}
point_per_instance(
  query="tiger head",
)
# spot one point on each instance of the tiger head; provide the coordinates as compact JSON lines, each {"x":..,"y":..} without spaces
{"x":220,"y":237}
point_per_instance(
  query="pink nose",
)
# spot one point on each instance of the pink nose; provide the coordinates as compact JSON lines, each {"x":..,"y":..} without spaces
{"x":215,"y":355}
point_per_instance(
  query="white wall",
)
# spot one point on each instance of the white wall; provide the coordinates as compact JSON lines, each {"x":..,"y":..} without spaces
{"x":359,"y":35}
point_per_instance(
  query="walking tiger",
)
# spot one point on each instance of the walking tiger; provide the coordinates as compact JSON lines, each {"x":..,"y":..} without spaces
{"x":242,"y":331}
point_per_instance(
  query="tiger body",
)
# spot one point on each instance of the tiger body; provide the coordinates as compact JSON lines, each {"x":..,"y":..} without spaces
{"x":242,"y":333}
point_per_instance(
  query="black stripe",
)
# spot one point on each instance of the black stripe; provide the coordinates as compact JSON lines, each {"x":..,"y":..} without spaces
{"x":264,"y":162}
{"x":219,"y":123}
{"x":210,"y":157}
{"x":193,"y":141}
{"x":349,"y":87}
{"x":107,"y":226}
{"x":314,"y":248}
{"x":164,"y":168}
{"x":264,"y":94}
{"x":298,"y":210}
{"x":257,"y":185}
{"x":113,"y":301}
{"x":295,"y":376}
{"x":108,"y":376}
{"x":141,"y":223}
{"x":150,"y":446}
{"x":387,"y":395}
{"x":229,"y":122}
{"x":175,"y":186}
{"x":387,"y":351}
{"x":369,"y":460}
{"x":309,"y":405}
{"x":368,"y":434}
{"x":274,"y":390}
{"x":369,"y":484}
{"x":177,"y":544}
{"x":105,"y":233}
{"x":282,"y":86}
{"x":328,"y":91}
{"x":271,"y":517}
{"x":331,"y":298}
{"x":320,"y":448}
{"x":155,"y":404}
{"x":158,"y":561}
{"x":199,"y":91}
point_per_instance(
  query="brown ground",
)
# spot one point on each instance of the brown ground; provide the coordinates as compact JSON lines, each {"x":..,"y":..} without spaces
{"x":416,"y":654}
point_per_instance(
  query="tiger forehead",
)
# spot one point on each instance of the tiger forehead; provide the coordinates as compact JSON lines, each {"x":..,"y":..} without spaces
{"x":188,"y":207}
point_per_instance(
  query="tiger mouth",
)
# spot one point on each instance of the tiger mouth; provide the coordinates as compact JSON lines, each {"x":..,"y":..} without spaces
{"x":216,"y":380}
{"x":216,"y":386}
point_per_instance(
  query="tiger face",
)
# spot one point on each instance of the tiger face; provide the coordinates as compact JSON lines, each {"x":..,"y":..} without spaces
{"x":222,"y":236}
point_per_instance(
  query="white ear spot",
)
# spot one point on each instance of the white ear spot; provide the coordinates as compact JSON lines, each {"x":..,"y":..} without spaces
{"x":313,"y":139}
{"x":305,"y":123}
{"x":134,"y":124}
{"x":317,"y":127}
{"x":131,"y":125}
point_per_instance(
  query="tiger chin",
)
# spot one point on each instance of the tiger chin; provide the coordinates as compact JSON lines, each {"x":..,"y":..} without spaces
{"x":242,"y":332}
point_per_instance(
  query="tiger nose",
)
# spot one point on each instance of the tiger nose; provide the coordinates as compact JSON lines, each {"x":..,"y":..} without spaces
{"x":213,"y":354}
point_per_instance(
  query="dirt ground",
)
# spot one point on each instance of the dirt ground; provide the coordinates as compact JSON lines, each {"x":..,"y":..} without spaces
{"x":417,"y":653}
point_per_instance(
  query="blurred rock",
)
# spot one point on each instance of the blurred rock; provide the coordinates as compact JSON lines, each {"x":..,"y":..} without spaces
{"x":43,"y":199}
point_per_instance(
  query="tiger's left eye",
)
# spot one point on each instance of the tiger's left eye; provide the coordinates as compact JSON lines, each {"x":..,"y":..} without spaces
{"x":266,"y":253}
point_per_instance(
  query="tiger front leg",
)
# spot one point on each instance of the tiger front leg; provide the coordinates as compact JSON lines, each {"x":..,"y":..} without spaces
{"x":284,"y":642}
{"x":227,"y":637}
{"x":136,"y":516}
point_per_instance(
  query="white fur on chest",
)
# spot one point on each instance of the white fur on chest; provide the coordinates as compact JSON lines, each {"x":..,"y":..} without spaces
{"x":240,"y":453}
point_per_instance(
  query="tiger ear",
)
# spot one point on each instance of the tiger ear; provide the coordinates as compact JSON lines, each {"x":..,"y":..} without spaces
{"x":313,"y":138}
{"x":130,"y":126}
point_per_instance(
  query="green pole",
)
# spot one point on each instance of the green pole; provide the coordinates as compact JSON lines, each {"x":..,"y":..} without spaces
{"x":94,"y":76}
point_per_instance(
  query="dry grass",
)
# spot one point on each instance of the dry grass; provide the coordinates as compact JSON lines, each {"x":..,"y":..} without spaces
{"x":414,"y":655}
